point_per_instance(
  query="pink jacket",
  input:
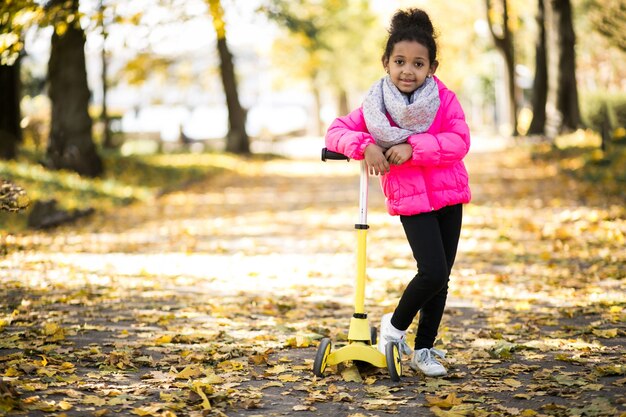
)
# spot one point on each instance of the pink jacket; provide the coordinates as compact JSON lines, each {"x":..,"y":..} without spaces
{"x":435,"y":177}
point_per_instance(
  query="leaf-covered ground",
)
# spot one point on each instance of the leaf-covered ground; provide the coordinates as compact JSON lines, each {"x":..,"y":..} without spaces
{"x":210,"y":301}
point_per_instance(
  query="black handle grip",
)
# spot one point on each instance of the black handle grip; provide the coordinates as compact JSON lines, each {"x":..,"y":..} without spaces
{"x":336,"y":156}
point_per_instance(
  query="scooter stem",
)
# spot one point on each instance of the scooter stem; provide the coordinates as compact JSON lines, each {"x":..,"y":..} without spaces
{"x":361,"y":227}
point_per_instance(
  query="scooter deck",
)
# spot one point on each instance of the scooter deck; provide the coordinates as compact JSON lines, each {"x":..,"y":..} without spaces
{"x":358,"y":351}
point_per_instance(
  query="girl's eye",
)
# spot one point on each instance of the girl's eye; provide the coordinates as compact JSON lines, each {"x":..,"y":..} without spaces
{"x":399,"y":62}
{"x":419,"y":64}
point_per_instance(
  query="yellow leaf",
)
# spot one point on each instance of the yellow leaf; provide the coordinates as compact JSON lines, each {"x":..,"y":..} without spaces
{"x":206,"y":404}
{"x":512,"y":382}
{"x":47,"y":372}
{"x":259,"y":359}
{"x":67,"y":367}
{"x":379,"y":404}
{"x":203,"y":386}
{"x":370,"y":380}
{"x":278,"y":369}
{"x":231,"y":365}
{"x":190,"y":371}
{"x":151,"y":410}
{"x":457,"y":411}
{"x":94,"y":400}
{"x":289,"y":378}
{"x":166,"y":338}
{"x":167,"y":397}
{"x":50,"y":328}
{"x":64,"y":405}
{"x":448,"y":402}
{"x":272,"y":384}
{"x":351,"y":374}
{"x":606,"y":334}
{"x":212,"y":379}
{"x":562,"y":233}
{"x":299,"y":342}
{"x":304,"y":408}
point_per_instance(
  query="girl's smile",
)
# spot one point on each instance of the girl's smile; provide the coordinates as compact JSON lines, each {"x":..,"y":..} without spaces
{"x":409,"y":65}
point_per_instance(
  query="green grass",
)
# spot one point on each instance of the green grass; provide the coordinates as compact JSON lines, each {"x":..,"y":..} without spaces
{"x":126,"y":180}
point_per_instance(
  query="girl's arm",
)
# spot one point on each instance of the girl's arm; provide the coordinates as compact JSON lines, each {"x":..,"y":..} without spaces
{"x":448,"y":146}
{"x":348,"y":135}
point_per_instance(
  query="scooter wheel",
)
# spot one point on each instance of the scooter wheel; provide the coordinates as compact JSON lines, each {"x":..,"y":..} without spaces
{"x":373,"y":335}
{"x":394,"y":361}
{"x":321,"y":357}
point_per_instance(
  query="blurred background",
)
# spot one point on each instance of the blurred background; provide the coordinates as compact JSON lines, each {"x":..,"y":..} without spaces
{"x":86,"y":83}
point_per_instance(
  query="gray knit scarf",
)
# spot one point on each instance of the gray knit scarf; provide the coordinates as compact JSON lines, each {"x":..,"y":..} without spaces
{"x":412,"y":114}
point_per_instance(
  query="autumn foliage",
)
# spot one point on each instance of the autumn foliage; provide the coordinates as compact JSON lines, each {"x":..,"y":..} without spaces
{"x":210,"y":300}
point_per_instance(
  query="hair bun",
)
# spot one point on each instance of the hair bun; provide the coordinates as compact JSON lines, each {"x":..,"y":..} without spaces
{"x":411,"y":19}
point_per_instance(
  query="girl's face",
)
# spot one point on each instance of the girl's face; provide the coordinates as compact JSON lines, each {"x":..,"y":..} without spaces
{"x":409,"y":65}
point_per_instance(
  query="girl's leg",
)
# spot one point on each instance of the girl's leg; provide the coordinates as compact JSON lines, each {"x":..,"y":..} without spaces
{"x":433,"y":238}
{"x":432,"y":311}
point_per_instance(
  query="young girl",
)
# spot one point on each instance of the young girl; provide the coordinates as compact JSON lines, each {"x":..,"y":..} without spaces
{"x":411,"y":130}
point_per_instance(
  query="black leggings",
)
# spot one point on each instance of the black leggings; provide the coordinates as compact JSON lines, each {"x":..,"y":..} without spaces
{"x":434,"y":238}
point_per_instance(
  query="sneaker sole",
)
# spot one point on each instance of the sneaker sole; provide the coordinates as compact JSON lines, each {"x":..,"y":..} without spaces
{"x":416,"y":368}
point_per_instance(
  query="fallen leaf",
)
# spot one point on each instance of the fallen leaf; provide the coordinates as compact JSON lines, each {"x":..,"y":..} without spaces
{"x":512,"y":382}
{"x":351,"y":374}
{"x":448,"y":402}
{"x":304,"y":408}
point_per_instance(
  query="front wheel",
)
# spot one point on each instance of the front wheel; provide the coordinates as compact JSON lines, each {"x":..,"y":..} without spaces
{"x":321,"y":357}
{"x":394,"y":361}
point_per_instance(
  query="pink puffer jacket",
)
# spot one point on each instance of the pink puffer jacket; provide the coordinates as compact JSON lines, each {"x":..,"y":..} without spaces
{"x":435,"y":177}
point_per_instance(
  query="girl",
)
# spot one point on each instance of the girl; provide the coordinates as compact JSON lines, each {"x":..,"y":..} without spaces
{"x":411,"y":130}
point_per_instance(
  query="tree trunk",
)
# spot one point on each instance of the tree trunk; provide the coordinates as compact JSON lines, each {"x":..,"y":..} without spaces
{"x":540,"y":83}
{"x":70,"y":143}
{"x":342,"y":102}
{"x":567,"y":90}
{"x":10,"y":132}
{"x":107,"y":137}
{"x":237,"y":140}
{"x":504,"y":43}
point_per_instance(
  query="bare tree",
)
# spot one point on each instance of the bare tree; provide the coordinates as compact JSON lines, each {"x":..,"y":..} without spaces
{"x":564,"y":50}
{"x":107,"y":138}
{"x":540,"y":83}
{"x":10,"y":83}
{"x":10,"y":131}
{"x":503,"y":39}
{"x":237,"y":140}
{"x":70,"y":144}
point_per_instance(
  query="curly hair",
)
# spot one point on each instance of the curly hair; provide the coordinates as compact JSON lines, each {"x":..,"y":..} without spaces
{"x":411,"y":25}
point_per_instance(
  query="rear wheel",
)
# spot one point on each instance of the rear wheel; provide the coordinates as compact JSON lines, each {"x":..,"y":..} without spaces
{"x":373,"y":335}
{"x":321,"y":357}
{"x":394,"y":361}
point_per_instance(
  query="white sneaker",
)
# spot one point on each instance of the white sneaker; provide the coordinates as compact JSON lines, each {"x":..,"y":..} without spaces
{"x":426,"y":361}
{"x":388,"y":333}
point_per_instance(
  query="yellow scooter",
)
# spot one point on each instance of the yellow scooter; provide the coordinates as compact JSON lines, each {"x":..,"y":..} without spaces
{"x":361,"y":337}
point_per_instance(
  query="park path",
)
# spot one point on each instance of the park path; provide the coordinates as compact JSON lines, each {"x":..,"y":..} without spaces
{"x":218,"y":292}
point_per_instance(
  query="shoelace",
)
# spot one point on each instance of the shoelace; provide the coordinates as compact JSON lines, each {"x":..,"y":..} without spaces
{"x":403,"y":346}
{"x":430,"y":356}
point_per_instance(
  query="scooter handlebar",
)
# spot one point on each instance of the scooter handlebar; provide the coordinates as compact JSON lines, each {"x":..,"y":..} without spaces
{"x":326,"y":154}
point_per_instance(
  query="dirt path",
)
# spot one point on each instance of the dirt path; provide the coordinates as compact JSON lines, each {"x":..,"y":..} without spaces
{"x":210,"y":300}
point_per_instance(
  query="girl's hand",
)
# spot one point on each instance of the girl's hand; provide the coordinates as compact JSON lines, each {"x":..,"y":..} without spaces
{"x":399,"y":154}
{"x":375,"y":158}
